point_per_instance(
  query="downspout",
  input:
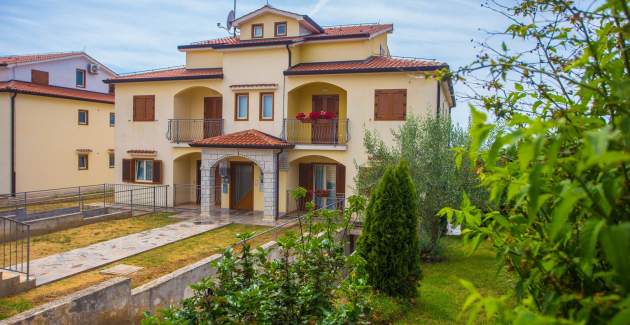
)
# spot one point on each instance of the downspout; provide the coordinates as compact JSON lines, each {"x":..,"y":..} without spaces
{"x":278,"y":183}
{"x":284,"y":93}
{"x":437,"y":110}
{"x":13,"y":178}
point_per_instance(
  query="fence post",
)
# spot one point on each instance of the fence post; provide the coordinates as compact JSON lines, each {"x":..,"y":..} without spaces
{"x":25,"y":204}
{"x":103,"y":195}
{"x":131,"y":201}
{"x":153,"y":199}
{"x":28,"y":251}
{"x":80,"y":202}
{"x":166,"y":196}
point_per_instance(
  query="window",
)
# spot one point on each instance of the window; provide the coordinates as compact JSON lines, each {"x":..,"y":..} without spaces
{"x":112,"y":119}
{"x":39,"y":77}
{"x":144,"y":170}
{"x":241,"y":111}
{"x":266,"y":106}
{"x":257,"y":31}
{"x":111,"y":88}
{"x":281,"y":29}
{"x":83,"y":161}
{"x":83,"y":117}
{"x":112,"y":160}
{"x":390,"y":104}
{"x":144,"y":108}
{"x":80,"y":78}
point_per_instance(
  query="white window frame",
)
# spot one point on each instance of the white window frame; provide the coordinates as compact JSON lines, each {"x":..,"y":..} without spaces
{"x":262,"y":30}
{"x":112,"y":115}
{"x":237,"y":115}
{"x":144,"y":177}
{"x":262,"y":108}
{"x":76,"y":81}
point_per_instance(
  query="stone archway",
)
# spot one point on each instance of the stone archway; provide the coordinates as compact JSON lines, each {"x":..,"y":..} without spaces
{"x":266,"y":161}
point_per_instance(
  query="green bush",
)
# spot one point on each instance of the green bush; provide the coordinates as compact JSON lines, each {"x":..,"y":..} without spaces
{"x":389,"y":242}
{"x":559,"y":173}
{"x":306,"y":285}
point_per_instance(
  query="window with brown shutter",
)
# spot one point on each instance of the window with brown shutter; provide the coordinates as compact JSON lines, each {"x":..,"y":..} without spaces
{"x":340,"y":183}
{"x":144,"y":108}
{"x":39,"y":77}
{"x":390,"y":104}
{"x":128,"y":170}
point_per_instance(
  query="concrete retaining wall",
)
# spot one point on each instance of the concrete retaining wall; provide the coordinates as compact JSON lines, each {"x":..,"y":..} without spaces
{"x":114,"y":302}
{"x":51,"y":224}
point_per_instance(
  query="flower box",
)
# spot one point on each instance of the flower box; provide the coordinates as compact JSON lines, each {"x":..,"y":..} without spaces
{"x":321,"y":193}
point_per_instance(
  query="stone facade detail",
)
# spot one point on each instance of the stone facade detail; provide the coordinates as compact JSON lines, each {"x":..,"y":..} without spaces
{"x":211,"y":158}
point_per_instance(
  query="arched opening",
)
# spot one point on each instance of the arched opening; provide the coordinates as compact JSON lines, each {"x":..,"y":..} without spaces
{"x":237,"y":184}
{"x":198,"y":114}
{"x":323,"y":178}
{"x":187,"y":180}
{"x":317,"y":114}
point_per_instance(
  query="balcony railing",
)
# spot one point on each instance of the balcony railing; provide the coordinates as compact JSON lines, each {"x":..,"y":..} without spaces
{"x":188,"y":130}
{"x":331,"y":132}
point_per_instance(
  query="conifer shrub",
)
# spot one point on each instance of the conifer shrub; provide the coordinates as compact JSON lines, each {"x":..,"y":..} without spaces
{"x":389,"y":243}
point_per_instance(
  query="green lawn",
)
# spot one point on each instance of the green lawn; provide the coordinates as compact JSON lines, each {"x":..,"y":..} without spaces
{"x":441,"y":296}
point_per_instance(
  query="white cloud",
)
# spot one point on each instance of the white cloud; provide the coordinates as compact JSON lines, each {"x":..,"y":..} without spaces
{"x":318,"y":6}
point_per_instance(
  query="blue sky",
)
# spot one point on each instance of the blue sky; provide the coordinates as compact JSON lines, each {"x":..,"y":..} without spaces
{"x":132,"y":35}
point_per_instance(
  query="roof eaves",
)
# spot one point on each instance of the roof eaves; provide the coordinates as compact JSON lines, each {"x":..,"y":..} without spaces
{"x":361,"y":70}
{"x":250,"y":146}
{"x":147,"y":79}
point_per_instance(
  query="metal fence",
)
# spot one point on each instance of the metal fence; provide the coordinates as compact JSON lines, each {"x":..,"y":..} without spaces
{"x":16,"y":246}
{"x":333,"y":131}
{"x":330,"y":200}
{"x":187,"y":130}
{"x":91,"y":200}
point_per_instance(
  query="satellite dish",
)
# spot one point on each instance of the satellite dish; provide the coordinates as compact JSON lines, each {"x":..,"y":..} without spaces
{"x":230,"y":19}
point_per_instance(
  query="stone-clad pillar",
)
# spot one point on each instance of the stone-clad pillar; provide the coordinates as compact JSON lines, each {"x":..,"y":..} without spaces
{"x":269,"y":186}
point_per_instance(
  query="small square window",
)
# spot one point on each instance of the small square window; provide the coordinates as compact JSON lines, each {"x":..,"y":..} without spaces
{"x":281,"y":29}
{"x":242,"y":107}
{"x":112,"y":160}
{"x":258,"y":31}
{"x":144,"y":170}
{"x":83,"y":161}
{"x":266,"y":106}
{"x":83,"y":117}
{"x":112,"y":119}
{"x":80,"y":78}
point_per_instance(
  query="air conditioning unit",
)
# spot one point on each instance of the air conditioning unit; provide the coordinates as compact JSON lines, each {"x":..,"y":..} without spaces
{"x":92,"y":68}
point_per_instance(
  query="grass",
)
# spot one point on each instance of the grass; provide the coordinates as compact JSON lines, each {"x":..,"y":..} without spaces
{"x":70,"y":239}
{"x":441,"y":296}
{"x":155,"y":263}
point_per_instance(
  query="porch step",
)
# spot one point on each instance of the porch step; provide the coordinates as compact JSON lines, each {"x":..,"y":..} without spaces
{"x":12,"y":283}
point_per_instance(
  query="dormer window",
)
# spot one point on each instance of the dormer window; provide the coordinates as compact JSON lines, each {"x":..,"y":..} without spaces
{"x":281,"y":29}
{"x":257,"y":31}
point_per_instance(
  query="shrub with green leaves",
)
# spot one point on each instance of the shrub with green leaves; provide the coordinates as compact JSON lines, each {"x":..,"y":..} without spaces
{"x":427,"y":146}
{"x":558,"y":174}
{"x":389,"y":242}
{"x":306,"y":285}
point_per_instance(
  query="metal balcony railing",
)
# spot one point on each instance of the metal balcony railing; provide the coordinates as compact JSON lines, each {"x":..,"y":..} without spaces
{"x":188,"y":130}
{"x":331,"y":132}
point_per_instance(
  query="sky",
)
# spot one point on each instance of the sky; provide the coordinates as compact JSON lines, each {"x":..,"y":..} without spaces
{"x":134,"y":35}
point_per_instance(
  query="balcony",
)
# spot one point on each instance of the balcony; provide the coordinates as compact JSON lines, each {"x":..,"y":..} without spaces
{"x":188,"y":130}
{"x":317,"y":132}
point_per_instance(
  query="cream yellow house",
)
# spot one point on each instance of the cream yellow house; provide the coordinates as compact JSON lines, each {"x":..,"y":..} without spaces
{"x":56,"y":122}
{"x":283,"y":103}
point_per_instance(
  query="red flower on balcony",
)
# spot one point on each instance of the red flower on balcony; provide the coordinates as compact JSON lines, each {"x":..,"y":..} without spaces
{"x":327,"y":115}
{"x":321,"y":193}
{"x":315,"y":115}
{"x":300,"y":116}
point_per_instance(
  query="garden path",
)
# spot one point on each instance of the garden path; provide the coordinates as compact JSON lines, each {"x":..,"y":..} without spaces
{"x":58,"y":266}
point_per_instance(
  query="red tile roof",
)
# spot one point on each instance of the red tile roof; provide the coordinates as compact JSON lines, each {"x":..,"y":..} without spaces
{"x":372,"y":64}
{"x":336,"y":32}
{"x":244,"y":139}
{"x":53,"y":91}
{"x":15,"y":59}
{"x":179,"y":73}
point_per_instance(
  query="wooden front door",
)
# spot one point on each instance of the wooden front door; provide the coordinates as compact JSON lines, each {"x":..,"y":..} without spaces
{"x":242,"y":186}
{"x":325,"y":131}
{"x":212,"y":115}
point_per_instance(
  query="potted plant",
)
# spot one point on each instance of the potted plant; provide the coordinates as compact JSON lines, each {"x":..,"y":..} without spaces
{"x":321,"y":193}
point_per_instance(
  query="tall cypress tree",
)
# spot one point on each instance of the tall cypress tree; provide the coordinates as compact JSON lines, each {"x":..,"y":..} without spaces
{"x":390,"y":243}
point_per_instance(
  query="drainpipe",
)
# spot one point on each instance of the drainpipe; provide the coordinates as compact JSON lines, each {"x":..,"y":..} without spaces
{"x":278,"y":183}
{"x":13,"y":179}
{"x":437,"y":110}
{"x":284,"y":83}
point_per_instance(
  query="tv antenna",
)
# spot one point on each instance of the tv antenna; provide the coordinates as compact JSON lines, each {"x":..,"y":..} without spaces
{"x":228,"y":22}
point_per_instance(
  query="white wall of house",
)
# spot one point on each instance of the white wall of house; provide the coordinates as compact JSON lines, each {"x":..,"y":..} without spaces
{"x":5,"y":143}
{"x":61,"y":73}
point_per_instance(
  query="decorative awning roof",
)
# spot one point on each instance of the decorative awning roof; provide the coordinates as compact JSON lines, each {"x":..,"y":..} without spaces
{"x":84,"y":150}
{"x":243,"y":139}
{"x":254,"y":86}
{"x":142,"y":152}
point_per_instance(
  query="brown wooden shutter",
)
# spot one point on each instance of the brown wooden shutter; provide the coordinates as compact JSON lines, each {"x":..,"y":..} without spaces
{"x":138,"y":108}
{"x":341,"y":179}
{"x":39,"y":77}
{"x":305,"y":180}
{"x":157,"y":172}
{"x":150,"y":108}
{"x":390,"y":104}
{"x":126,"y":170}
